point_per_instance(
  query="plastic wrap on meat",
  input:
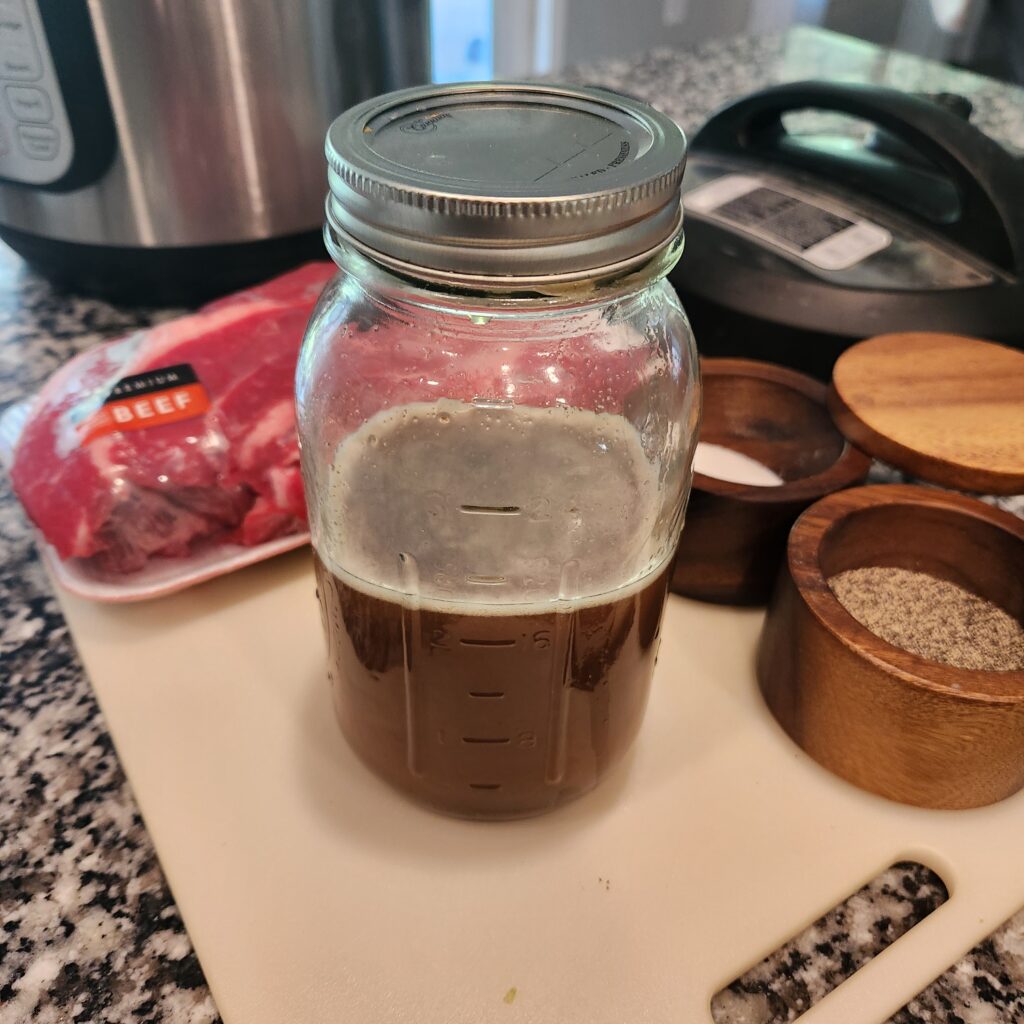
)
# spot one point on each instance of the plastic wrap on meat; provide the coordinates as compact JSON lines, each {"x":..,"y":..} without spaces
{"x":121,"y":493}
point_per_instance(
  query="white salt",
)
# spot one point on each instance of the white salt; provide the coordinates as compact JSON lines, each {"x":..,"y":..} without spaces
{"x":725,"y":464}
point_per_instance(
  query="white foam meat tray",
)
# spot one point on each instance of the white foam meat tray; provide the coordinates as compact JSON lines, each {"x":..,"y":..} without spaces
{"x":313,"y":893}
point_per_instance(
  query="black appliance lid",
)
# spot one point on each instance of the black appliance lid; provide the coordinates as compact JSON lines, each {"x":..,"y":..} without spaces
{"x":916,"y":224}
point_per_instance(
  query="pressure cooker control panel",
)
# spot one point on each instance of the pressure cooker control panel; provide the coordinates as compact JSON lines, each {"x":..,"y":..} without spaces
{"x":836,"y":239}
{"x":36,"y":144}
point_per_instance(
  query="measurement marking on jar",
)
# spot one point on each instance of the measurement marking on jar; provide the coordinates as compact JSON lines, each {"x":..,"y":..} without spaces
{"x":412,"y":627}
{"x":487,"y":739}
{"x":485,"y":785}
{"x":470,"y":642}
{"x":487,"y":402}
{"x":491,"y":510}
{"x":487,"y":581}
{"x":487,"y":694}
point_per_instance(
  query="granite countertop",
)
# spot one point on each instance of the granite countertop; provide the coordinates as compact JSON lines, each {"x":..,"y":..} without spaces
{"x":689,"y":85}
{"x":90,"y":930}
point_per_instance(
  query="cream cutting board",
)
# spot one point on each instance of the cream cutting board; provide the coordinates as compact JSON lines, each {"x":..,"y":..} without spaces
{"x":313,"y":893}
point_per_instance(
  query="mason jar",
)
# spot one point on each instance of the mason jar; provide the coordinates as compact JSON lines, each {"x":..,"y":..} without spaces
{"x":498,"y":401}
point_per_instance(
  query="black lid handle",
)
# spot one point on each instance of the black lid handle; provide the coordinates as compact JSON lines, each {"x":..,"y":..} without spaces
{"x":987,"y":217}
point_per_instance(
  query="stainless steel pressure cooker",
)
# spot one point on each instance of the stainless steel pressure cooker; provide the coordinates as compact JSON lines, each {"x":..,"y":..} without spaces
{"x":162,"y":152}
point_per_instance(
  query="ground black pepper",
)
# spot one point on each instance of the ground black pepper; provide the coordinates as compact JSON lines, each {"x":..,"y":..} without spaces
{"x":931,"y":617}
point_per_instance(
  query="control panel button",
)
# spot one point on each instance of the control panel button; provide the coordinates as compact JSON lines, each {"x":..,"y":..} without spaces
{"x":38,"y":141}
{"x":19,"y":63}
{"x":29,"y":104}
{"x":19,"y":57}
{"x":37,"y":144}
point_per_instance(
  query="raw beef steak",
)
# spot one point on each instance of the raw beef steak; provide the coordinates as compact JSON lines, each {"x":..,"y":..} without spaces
{"x":147,"y":445}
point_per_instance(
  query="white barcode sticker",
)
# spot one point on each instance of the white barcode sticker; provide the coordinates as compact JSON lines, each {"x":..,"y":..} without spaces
{"x":823,"y":234}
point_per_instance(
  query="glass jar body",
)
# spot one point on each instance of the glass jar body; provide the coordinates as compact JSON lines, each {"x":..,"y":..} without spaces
{"x":495,"y":490}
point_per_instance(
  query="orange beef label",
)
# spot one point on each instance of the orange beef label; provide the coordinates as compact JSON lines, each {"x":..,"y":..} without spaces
{"x":149,"y":399}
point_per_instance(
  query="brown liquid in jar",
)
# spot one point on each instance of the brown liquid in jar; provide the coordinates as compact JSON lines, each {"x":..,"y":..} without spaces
{"x":477,"y":692}
{"x":500,"y":715}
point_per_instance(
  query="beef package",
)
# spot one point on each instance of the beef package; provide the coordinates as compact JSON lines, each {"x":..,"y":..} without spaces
{"x":175,"y":436}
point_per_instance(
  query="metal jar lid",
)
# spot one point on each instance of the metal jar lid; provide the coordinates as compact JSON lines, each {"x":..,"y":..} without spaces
{"x":505,"y":184}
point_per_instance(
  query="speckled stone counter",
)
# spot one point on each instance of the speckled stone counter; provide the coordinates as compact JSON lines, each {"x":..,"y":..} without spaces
{"x":90,"y":931}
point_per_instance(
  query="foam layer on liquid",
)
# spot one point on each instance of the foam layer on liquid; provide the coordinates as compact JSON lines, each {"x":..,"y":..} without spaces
{"x":492,"y":508}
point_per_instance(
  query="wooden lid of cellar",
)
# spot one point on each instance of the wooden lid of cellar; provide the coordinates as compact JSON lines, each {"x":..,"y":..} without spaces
{"x":941,"y":407}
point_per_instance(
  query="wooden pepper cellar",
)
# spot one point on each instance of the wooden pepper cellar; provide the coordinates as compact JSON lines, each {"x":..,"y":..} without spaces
{"x":908,"y":727}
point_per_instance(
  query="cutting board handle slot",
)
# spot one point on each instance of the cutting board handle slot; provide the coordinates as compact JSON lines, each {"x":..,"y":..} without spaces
{"x":881,"y":912}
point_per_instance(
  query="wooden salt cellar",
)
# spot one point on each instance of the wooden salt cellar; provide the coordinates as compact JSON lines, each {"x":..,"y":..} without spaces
{"x":735,"y":534}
